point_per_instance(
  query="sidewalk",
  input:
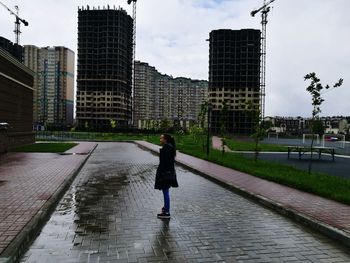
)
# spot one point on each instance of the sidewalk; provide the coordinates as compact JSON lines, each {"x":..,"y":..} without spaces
{"x":324,"y":215}
{"x":30,"y":185}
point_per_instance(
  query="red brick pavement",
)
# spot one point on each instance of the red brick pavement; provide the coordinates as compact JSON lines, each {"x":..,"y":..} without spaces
{"x":323,"y":210}
{"x":217,"y":144}
{"x":82,"y":148}
{"x":27,"y":181}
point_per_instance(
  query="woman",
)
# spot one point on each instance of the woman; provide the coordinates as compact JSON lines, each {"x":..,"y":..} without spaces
{"x":166,"y":176}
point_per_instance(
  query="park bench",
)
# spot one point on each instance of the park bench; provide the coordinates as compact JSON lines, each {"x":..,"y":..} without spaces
{"x":319,"y":149}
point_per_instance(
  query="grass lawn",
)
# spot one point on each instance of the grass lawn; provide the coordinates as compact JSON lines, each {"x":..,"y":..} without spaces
{"x":317,"y":183}
{"x":236,"y":145}
{"x":44,"y":147}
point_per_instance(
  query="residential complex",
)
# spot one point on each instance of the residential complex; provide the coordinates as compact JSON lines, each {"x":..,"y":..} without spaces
{"x":53,"y":98}
{"x":104,"y":80}
{"x":234,"y":73}
{"x":300,"y":125}
{"x":159,"y":97}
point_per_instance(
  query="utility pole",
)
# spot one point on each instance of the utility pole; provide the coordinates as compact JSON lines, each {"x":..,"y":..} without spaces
{"x":265,"y":9}
{"x":17,"y":22}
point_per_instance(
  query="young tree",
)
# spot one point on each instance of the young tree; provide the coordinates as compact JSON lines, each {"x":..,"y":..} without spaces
{"x":113,"y":123}
{"x":316,"y":90}
{"x":148,"y":125}
{"x":202,"y":115}
{"x":318,"y":127}
{"x":255,"y":115}
{"x":165,"y":125}
{"x":223,"y":123}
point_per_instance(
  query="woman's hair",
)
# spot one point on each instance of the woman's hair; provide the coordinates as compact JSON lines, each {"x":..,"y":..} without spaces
{"x":171,"y":140}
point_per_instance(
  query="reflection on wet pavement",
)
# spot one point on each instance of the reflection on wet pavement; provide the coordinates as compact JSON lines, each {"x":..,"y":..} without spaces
{"x":109,"y":215}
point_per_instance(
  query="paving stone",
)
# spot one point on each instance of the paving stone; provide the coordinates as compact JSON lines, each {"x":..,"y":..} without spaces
{"x":30,"y":180}
{"x":111,"y":210}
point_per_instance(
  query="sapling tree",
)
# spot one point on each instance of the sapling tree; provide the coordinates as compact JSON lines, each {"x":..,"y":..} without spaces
{"x":201,"y":122}
{"x":259,"y":131}
{"x":316,"y":89}
{"x":113,"y":123}
{"x":223,"y":123}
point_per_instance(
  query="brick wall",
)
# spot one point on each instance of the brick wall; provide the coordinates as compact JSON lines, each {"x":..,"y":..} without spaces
{"x":16,"y":102}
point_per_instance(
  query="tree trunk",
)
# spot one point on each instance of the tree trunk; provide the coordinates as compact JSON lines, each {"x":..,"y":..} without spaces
{"x":310,"y":162}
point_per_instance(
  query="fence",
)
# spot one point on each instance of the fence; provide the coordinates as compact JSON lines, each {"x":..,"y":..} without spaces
{"x":64,"y":136}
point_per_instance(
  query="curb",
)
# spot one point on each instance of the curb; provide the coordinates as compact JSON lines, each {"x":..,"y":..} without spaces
{"x":87,"y":140}
{"x":24,"y":239}
{"x":325,"y":229}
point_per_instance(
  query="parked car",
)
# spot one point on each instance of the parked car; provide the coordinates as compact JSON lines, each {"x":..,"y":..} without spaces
{"x":331,"y":139}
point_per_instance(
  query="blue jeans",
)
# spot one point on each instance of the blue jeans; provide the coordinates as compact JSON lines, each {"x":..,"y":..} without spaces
{"x":166,"y":200}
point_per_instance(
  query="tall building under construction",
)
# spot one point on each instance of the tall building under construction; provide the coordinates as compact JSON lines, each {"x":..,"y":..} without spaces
{"x":234,"y":74}
{"x":104,"y":80}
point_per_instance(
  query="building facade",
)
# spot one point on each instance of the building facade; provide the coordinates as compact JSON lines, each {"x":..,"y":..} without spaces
{"x":234,"y":74}
{"x":53,"y":99}
{"x":16,"y":102}
{"x":104,"y":81}
{"x":12,"y":48}
{"x":300,"y":125}
{"x":159,"y":97}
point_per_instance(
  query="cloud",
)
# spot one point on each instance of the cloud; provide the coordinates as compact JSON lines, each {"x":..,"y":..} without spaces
{"x":303,"y":36}
{"x":307,"y":37}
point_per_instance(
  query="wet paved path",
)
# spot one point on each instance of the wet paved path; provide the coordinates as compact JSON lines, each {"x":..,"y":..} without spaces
{"x":27,"y":182}
{"x":108,"y":215}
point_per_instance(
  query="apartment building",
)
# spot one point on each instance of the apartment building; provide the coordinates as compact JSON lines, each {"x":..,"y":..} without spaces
{"x":300,"y":125}
{"x":53,"y":97}
{"x":160,"y":97}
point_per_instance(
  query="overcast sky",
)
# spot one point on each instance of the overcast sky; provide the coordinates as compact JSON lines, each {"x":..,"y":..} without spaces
{"x":303,"y":36}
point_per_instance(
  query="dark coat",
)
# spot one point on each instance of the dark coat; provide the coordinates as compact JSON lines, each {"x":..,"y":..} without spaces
{"x":166,"y":164}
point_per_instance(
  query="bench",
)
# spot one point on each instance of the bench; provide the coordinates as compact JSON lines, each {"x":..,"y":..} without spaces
{"x":319,"y":149}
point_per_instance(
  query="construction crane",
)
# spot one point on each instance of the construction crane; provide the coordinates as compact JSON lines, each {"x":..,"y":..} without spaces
{"x":134,"y":45}
{"x":265,"y":9}
{"x":17,"y":22}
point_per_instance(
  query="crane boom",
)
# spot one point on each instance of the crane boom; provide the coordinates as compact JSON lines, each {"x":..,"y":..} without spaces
{"x":261,"y":8}
{"x":265,"y":9}
{"x":17,"y":22}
